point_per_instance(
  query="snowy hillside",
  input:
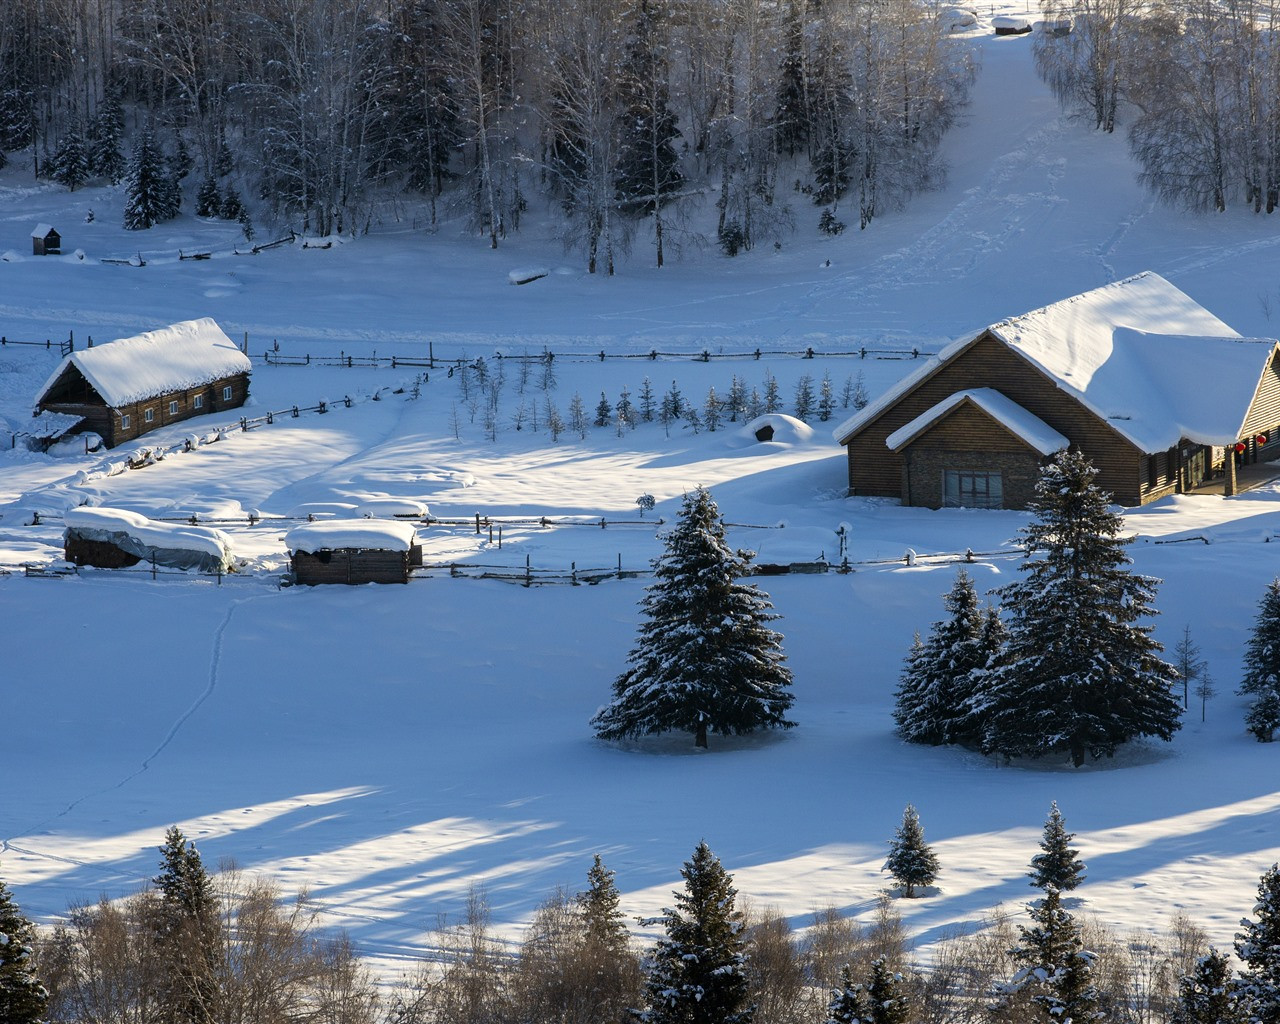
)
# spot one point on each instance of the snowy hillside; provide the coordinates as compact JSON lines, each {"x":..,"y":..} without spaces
{"x":389,"y":747}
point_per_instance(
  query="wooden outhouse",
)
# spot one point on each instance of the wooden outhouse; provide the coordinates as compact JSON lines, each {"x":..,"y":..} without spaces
{"x":1154,"y":389}
{"x":45,"y":241}
{"x":353,"y":551}
{"x":126,"y":388}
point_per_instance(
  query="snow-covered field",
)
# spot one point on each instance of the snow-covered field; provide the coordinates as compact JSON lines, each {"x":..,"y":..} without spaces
{"x":389,"y":747}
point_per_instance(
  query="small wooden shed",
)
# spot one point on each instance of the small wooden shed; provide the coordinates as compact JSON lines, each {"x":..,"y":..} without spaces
{"x":45,"y":241}
{"x":353,"y":551}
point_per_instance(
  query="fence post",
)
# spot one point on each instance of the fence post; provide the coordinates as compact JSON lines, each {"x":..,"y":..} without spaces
{"x":491,"y":531}
{"x":322,"y":407}
{"x":347,"y":400}
{"x":528,"y":571}
{"x":499,"y":536}
{"x":573,"y":573}
{"x":477,"y":523}
{"x":619,"y":565}
{"x":153,"y":567}
{"x":295,"y":412}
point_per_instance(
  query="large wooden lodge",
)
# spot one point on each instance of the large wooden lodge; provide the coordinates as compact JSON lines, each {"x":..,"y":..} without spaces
{"x":125,"y":388}
{"x":1159,"y":393}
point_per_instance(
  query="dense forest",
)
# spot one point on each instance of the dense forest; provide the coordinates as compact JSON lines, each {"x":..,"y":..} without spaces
{"x":334,"y":113}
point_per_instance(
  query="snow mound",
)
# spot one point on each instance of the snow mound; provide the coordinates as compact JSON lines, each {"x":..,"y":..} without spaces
{"x":323,"y":509}
{"x":523,"y":275}
{"x":955,"y":18}
{"x":172,"y":544}
{"x":392,"y":508}
{"x":772,"y":428}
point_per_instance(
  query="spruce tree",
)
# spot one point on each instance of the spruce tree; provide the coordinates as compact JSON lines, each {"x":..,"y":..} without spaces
{"x":711,"y":409}
{"x":696,"y":972}
{"x":848,"y":1004}
{"x":887,"y":995}
{"x":1263,"y":717}
{"x":1059,"y":864}
{"x":70,"y":164}
{"x":791,"y":117}
{"x":612,"y":979}
{"x":208,"y":198}
{"x":1081,"y":673}
{"x":804,"y":398}
{"x":1057,"y":969}
{"x":188,"y":926}
{"x":1208,"y":994}
{"x":22,"y":996}
{"x":932,"y":704}
{"x":603,"y":921}
{"x":103,"y":141}
{"x":1258,"y":948}
{"x":647,"y":404}
{"x":1262,"y":652}
{"x":149,"y":194}
{"x":706,"y":660}
{"x":826,"y":398}
{"x":604,"y":411}
{"x":911,"y":860}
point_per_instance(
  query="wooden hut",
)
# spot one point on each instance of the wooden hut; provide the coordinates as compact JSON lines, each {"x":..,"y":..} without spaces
{"x":1154,"y":389}
{"x":126,"y":388}
{"x":353,"y":551}
{"x":113,"y":538}
{"x":45,"y":241}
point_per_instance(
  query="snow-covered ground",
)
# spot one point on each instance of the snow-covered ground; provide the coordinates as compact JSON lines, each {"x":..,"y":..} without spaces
{"x":388,"y":747}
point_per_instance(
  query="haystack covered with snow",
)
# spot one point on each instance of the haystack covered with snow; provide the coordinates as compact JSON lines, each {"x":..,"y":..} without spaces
{"x":353,"y":551}
{"x":133,"y":385}
{"x":113,"y":538}
{"x":1143,"y":380}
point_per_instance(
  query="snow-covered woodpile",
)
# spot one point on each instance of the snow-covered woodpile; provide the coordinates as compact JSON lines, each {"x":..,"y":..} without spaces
{"x":125,"y":388}
{"x":112,"y":538}
{"x":353,"y":551}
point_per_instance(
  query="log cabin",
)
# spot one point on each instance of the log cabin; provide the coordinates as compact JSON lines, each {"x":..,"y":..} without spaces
{"x":1155,"y":390}
{"x":353,"y":551}
{"x":126,"y":388}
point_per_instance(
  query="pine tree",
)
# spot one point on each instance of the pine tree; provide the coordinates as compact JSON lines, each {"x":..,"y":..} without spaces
{"x":647,"y":405}
{"x":673,"y":402}
{"x":887,"y":995}
{"x":599,"y":906}
{"x":696,"y":973}
{"x":941,"y":674}
{"x":1059,"y":865}
{"x":104,"y":134}
{"x":1208,"y":995}
{"x":772,"y":400}
{"x":624,"y":410}
{"x":1262,"y":652}
{"x":848,"y":1003}
{"x":149,"y":194}
{"x":22,"y":997}
{"x":70,"y":164}
{"x":1263,"y":717}
{"x":804,"y":398}
{"x":826,"y":398}
{"x":911,"y":860}
{"x":231,"y":207}
{"x":612,"y":971}
{"x":737,"y":400}
{"x":791,"y":117}
{"x":1080,"y":673}
{"x":1057,"y":969}
{"x":578,"y":415}
{"x":705,"y":659}
{"x":604,"y":411}
{"x":188,"y":930}
{"x":711,"y":409}
{"x":1258,"y":947}
{"x":208,"y":198}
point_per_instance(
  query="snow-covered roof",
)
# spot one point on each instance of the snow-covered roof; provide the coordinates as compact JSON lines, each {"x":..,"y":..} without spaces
{"x":1017,"y":420}
{"x":180,"y":356}
{"x":1138,"y":353}
{"x":50,"y":425}
{"x":339,"y":534}
{"x":204,"y":539}
{"x":41,"y":230}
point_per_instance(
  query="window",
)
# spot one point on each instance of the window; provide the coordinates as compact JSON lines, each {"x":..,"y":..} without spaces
{"x":124,"y":421}
{"x":197,"y":402}
{"x":149,"y":415}
{"x":173,"y":408}
{"x":226,"y":393}
{"x":966,"y":489}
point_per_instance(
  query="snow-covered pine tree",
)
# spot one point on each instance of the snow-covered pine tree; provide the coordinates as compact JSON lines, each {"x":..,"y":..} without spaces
{"x":711,"y":409}
{"x":1262,"y":652}
{"x":848,"y":1004}
{"x":1081,"y":672}
{"x":208,"y":198}
{"x":772,"y":399}
{"x":938,"y":679}
{"x":149,"y":194}
{"x":604,"y":411}
{"x":624,"y":410}
{"x":578,"y":415}
{"x":1258,"y":947}
{"x":706,"y":660}
{"x":826,"y":398}
{"x":804,"y":398}
{"x":647,"y":403}
{"x":612,"y":972}
{"x":103,"y":141}
{"x":604,"y":922}
{"x":70,"y":164}
{"x":737,"y":400}
{"x":1057,"y":970}
{"x":648,"y":170}
{"x":1208,"y":994}
{"x":911,"y":860}
{"x":791,"y":116}
{"x":188,"y":930}
{"x":23,"y":997}
{"x":1263,"y":717}
{"x":887,"y":995}
{"x":696,"y":973}
{"x":1059,"y":864}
